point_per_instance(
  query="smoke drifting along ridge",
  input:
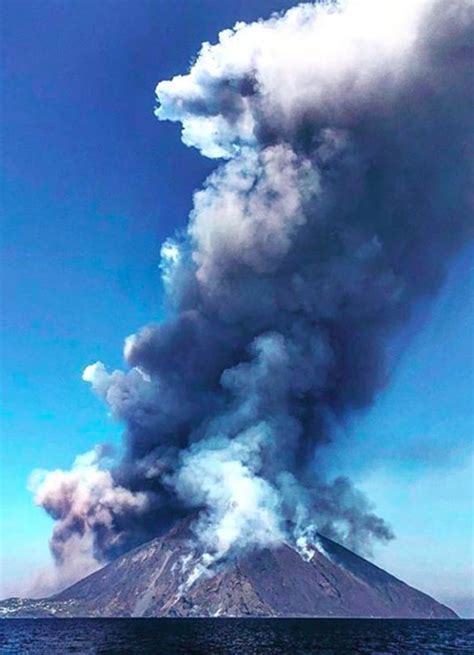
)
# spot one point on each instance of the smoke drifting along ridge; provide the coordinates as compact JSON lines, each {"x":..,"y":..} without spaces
{"x":345,"y":191}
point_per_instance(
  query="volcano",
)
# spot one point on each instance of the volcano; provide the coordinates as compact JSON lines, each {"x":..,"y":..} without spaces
{"x":166,"y":577}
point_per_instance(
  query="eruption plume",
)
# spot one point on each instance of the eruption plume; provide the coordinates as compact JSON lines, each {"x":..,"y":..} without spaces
{"x":341,"y":193}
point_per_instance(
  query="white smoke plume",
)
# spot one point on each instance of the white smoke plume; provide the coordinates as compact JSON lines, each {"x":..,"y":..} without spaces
{"x":342,"y":192}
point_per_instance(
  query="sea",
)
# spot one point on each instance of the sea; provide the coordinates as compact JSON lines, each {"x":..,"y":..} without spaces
{"x":236,"y":636}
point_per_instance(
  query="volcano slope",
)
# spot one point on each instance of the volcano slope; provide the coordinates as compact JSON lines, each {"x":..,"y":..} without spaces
{"x":165,"y":577}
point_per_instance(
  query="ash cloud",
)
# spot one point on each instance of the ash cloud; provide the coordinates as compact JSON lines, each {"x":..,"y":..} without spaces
{"x":342,"y":191}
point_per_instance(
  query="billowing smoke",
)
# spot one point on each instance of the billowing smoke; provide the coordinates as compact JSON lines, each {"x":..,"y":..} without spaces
{"x":341,"y":193}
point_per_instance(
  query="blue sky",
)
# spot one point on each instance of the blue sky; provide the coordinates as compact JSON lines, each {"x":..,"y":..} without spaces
{"x":92,"y":184}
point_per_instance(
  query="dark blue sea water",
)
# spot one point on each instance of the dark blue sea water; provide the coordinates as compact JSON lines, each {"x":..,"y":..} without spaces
{"x":239,"y":636}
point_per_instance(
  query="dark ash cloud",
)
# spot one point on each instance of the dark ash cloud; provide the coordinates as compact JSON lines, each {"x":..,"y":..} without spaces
{"x":343,"y":195}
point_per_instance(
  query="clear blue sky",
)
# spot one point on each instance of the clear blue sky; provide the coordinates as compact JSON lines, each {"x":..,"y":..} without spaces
{"x":91,"y":185}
